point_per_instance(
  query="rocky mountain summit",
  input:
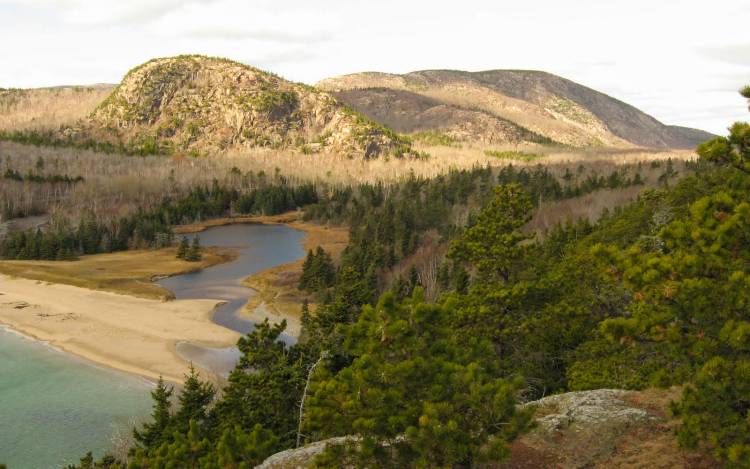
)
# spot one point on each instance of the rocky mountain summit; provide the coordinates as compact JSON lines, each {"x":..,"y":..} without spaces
{"x":204,"y":105}
{"x":538,"y":102}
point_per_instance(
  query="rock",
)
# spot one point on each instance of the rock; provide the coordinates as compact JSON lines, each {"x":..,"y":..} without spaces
{"x":204,"y":105}
{"x":299,"y":458}
{"x":603,"y":428}
{"x":583,"y":427}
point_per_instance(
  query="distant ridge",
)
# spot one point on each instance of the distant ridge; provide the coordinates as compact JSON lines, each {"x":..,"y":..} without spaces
{"x":462,"y":104}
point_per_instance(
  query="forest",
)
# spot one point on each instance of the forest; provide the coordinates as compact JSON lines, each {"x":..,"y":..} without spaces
{"x":427,"y":370}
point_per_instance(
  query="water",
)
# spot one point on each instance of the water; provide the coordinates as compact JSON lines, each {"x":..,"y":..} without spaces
{"x":259,"y":247}
{"x":55,"y":407}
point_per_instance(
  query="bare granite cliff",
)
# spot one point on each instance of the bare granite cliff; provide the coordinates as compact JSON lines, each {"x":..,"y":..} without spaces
{"x":204,"y":105}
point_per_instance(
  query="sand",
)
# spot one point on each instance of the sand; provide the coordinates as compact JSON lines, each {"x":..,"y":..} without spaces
{"x":139,"y":334}
{"x":135,"y":335}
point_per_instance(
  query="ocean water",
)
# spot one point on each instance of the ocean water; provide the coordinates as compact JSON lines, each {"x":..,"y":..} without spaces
{"x":55,"y":407}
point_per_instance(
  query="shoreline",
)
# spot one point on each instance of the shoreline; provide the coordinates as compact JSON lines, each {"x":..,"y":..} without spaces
{"x":78,"y":358}
{"x":123,"y":272}
{"x":276,"y":295}
{"x":136,"y":335}
{"x":139,"y":333}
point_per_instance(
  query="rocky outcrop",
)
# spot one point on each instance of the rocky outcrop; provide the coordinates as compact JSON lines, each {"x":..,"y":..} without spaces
{"x":543,"y":103}
{"x":299,"y":458}
{"x":580,"y":428}
{"x":603,"y":428}
{"x":202,"y":105}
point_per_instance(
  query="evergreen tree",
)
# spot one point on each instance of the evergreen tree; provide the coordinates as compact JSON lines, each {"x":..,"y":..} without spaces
{"x":265,"y":387}
{"x":415,"y":394}
{"x":733,"y":150}
{"x":182,"y":248}
{"x":194,"y":253}
{"x":155,"y":432}
{"x":318,"y":272}
{"x":491,"y":244}
{"x":194,"y":399}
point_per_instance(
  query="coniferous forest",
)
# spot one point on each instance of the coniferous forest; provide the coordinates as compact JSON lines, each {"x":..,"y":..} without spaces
{"x":653,"y":294}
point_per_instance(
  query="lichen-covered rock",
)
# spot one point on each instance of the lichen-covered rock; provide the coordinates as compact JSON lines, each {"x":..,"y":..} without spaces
{"x":573,"y":430}
{"x":299,"y":458}
{"x":583,"y":427}
{"x":203,"y":105}
{"x":602,"y":429}
{"x":587,"y":411}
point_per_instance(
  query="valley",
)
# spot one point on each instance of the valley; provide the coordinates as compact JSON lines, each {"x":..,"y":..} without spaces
{"x":392,"y":262}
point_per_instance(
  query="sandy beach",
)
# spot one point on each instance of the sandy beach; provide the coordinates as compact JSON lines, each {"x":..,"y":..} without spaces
{"x":109,"y":325}
{"x":135,"y":335}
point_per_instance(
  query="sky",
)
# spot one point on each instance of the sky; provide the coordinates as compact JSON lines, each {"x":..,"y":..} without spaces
{"x":680,"y":61}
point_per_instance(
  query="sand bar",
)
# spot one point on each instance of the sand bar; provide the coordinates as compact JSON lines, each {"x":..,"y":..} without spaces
{"x":135,"y":335}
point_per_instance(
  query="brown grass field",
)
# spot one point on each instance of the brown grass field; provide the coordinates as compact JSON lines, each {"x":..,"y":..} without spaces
{"x":48,"y":108}
{"x":127,"y":272}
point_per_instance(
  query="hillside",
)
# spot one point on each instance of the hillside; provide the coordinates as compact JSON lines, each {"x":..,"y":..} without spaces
{"x":410,"y":112}
{"x":201,"y":105}
{"x":546,"y":104}
{"x":48,"y":108}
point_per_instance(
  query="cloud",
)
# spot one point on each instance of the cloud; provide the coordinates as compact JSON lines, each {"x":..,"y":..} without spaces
{"x":108,"y":12}
{"x":236,"y":20}
{"x":735,"y":54}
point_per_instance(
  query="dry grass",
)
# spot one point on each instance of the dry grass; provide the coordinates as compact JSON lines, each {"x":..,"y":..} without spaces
{"x":589,"y":206}
{"x":288,"y":218}
{"x":128,"y":272}
{"x":116,"y":185}
{"x":48,"y":108}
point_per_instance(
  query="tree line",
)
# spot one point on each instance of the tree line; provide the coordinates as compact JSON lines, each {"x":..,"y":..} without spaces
{"x":14,"y":175}
{"x":151,"y":228}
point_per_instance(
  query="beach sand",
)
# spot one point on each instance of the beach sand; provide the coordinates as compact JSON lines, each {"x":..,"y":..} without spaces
{"x":105,"y":308}
{"x":135,"y":335}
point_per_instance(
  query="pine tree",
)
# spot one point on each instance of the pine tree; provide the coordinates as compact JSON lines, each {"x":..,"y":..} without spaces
{"x":733,"y":150}
{"x":182,"y":248}
{"x":491,"y":244}
{"x":194,"y":398}
{"x":155,"y":432}
{"x":307,"y":267}
{"x":416,"y":395}
{"x":194,"y":253}
{"x":266,"y":386}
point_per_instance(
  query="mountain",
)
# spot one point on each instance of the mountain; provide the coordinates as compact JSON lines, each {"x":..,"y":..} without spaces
{"x":202,"y":105}
{"x":504,"y":106}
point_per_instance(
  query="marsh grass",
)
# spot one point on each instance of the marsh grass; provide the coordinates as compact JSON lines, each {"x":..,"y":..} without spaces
{"x":514,"y":155}
{"x":128,"y":272}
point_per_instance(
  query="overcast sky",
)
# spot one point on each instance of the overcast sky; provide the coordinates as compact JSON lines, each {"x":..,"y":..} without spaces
{"x":681,"y":61}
